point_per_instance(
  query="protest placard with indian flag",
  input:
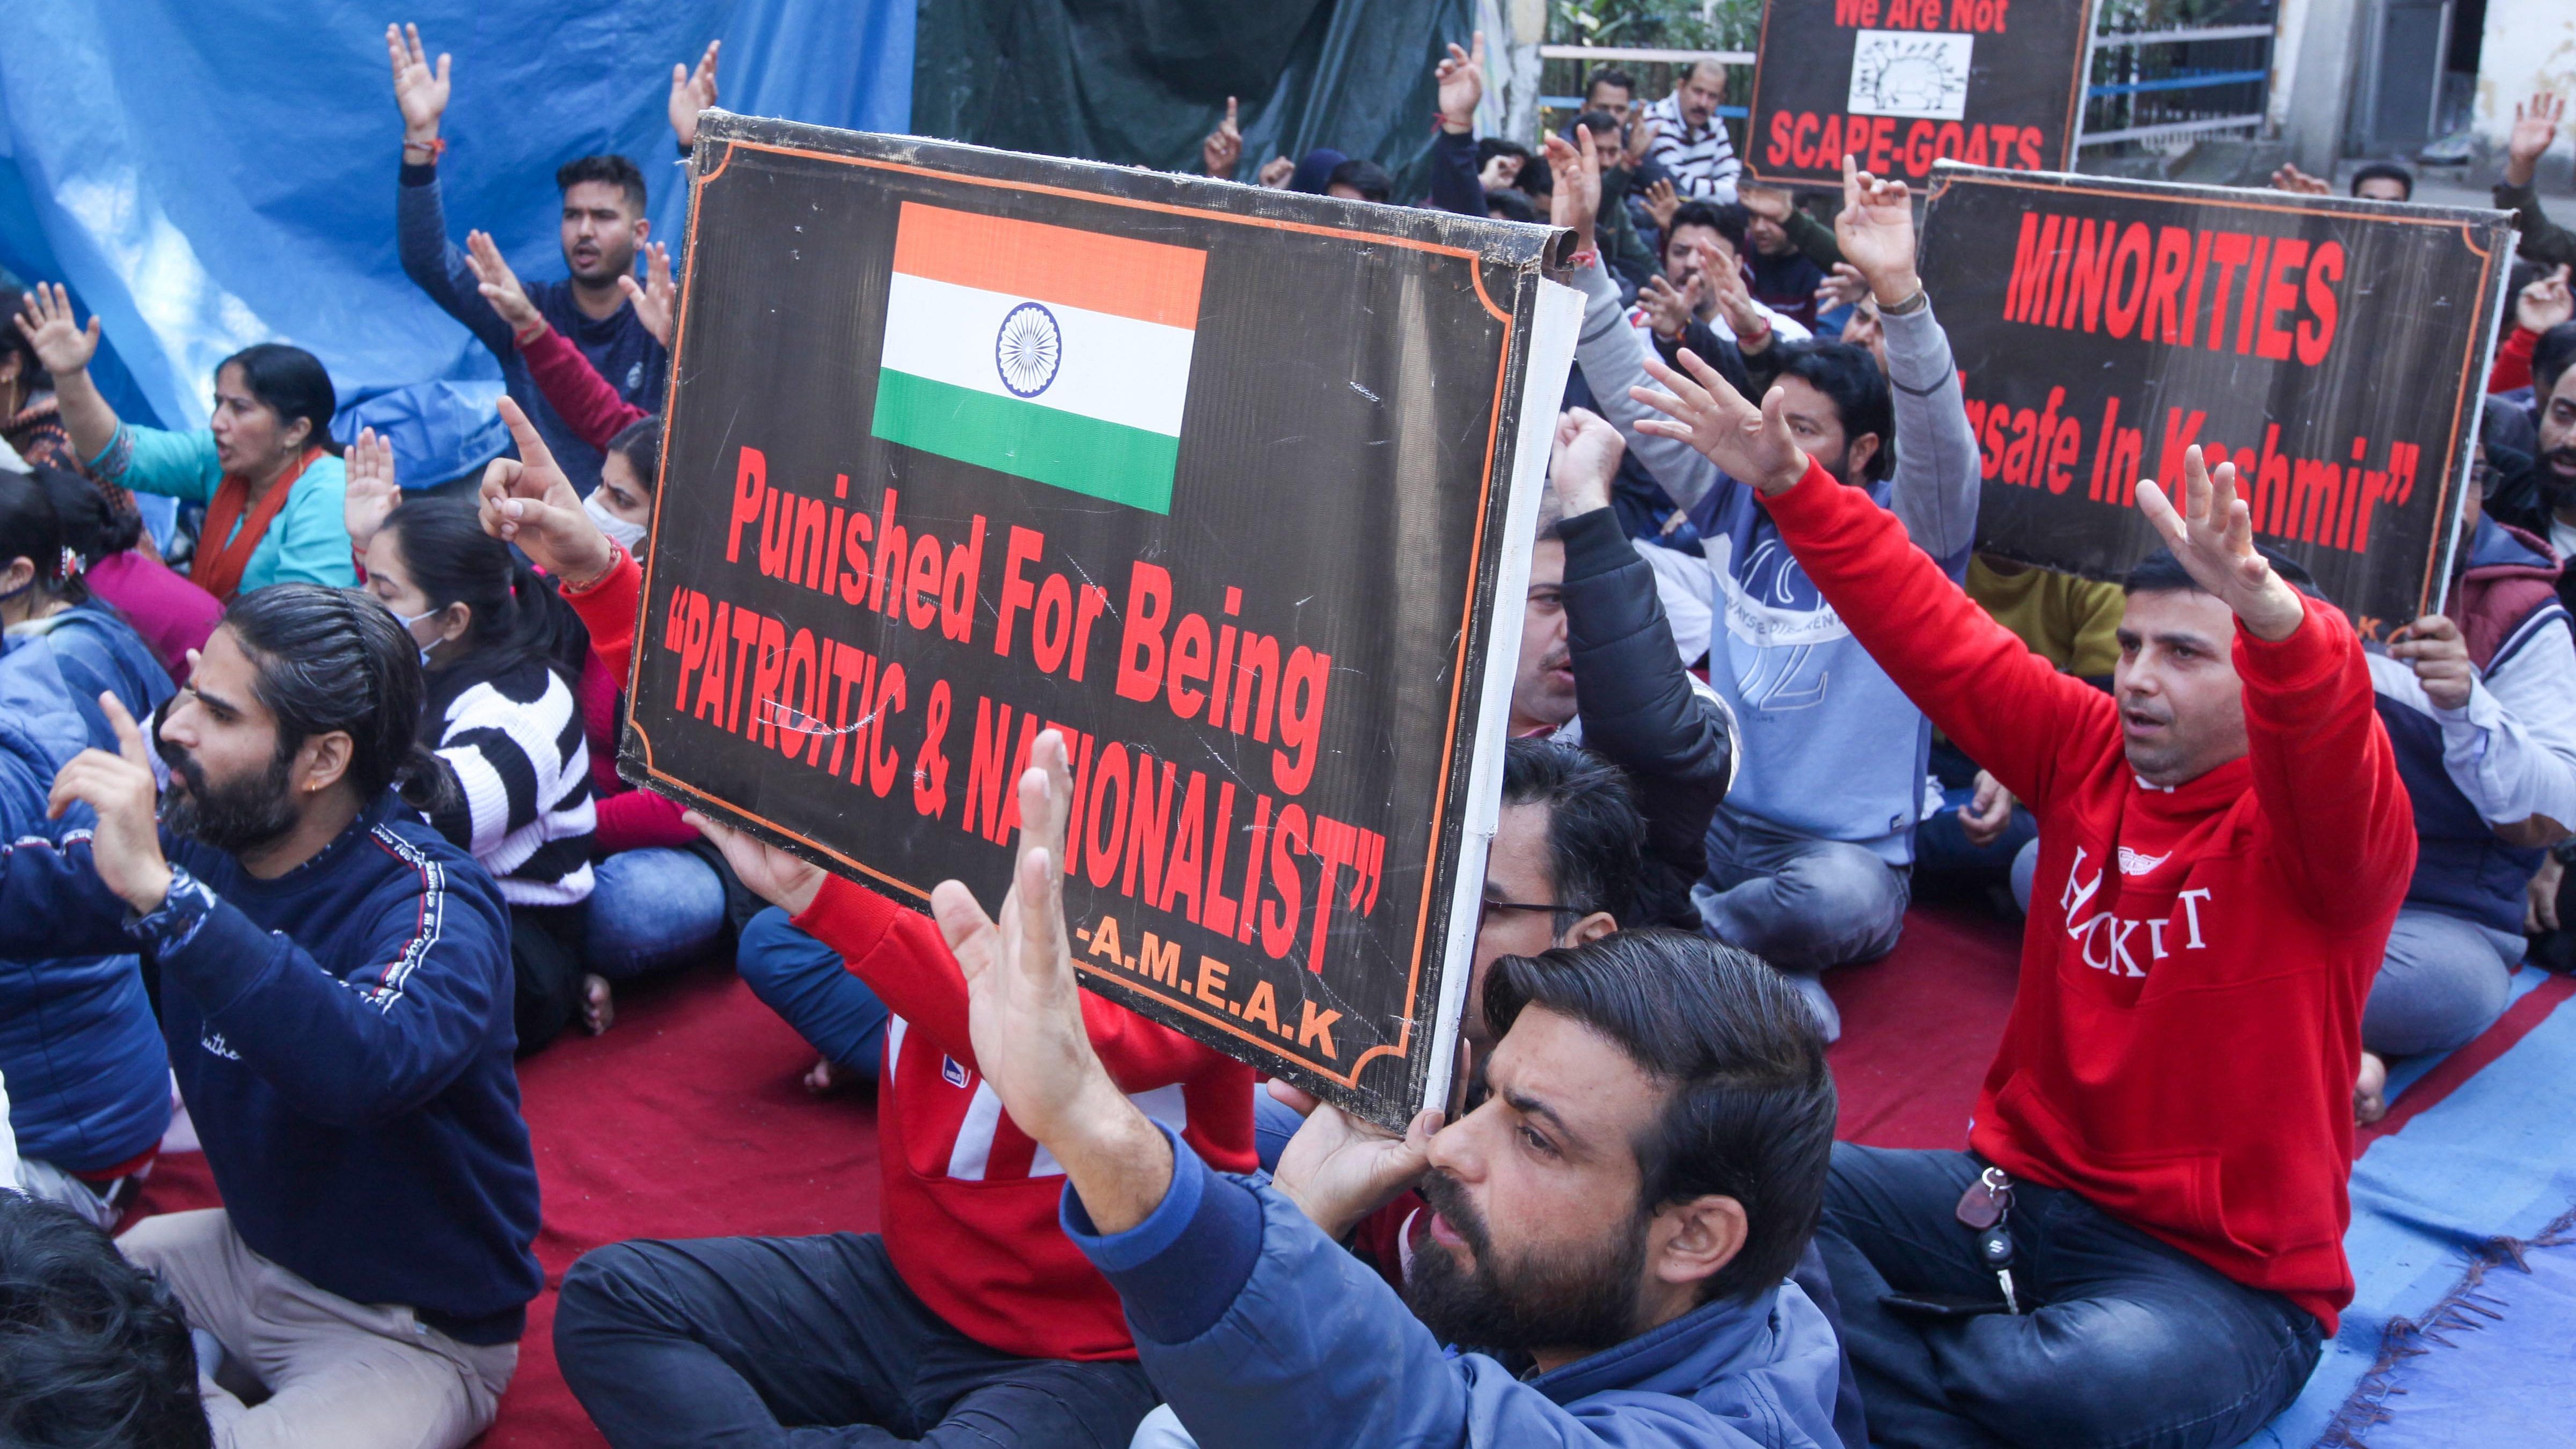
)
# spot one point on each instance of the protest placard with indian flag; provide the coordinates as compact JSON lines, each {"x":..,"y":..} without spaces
{"x":1051,"y":353}
{"x":1233,"y":489}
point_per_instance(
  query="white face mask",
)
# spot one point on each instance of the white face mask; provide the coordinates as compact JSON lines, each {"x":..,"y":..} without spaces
{"x":626,"y":534}
{"x":407,"y":620}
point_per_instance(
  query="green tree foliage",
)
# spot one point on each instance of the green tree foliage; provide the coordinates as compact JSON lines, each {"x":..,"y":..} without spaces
{"x":1664,"y":24}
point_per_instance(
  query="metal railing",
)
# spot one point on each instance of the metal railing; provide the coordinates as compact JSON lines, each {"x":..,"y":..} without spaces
{"x":2144,"y":85}
{"x":1563,"y":67}
{"x":2156,"y":85}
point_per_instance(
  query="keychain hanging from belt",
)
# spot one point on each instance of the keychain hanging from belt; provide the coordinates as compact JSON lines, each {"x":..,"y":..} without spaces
{"x":1986,"y":1210}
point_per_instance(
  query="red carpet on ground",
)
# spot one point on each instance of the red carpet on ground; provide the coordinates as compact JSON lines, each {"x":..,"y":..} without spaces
{"x":1920,"y":1027}
{"x":690,"y":1119}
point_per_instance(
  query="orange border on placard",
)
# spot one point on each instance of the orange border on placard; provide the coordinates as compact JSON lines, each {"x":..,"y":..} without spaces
{"x":1753,"y":102}
{"x":1475,"y":563}
{"x":2444,"y":502}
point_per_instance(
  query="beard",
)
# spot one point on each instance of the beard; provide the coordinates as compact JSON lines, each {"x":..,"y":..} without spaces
{"x":1579,"y":1297}
{"x":238,"y":816}
{"x":2557,"y":472}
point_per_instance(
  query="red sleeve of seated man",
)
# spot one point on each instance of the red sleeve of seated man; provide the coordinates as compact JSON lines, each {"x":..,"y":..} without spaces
{"x":575,"y":390}
{"x":2513,"y":361}
{"x":2007,"y":708}
{"x":902,"y":957}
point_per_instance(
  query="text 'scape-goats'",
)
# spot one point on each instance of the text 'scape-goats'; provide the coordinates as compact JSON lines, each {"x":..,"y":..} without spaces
{"x":1900,"y":85}
{"x":1224,"y":483}
{"x":2334,"y":350}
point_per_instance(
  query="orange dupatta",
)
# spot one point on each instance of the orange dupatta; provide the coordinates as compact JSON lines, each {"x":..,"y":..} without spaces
{"x":219,"y":566}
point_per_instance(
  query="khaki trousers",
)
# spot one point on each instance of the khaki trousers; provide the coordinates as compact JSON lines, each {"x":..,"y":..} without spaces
{"x":340,"y":1375}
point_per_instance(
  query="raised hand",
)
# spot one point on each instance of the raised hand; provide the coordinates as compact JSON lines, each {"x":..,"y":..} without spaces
{"x":1669,"y":309}
{"x":1586,"y":460}
{"x":45,"y":318}
{"x":1768,"y":202}
{"x":1725,"y":282}
{"x":692,"y":92}
{"x":786,"y":881}
{"x":1338,"y":1168}
{"x":372,"y":492}
{"x":2432,"y":646}
{"x":1662,"y":200}
{"x":1025,"y":1002}
{"x":1461,"y":79}
{"x":1641,"y":139}
{"x":1222,"y":151}
{"x":1987,"y":812}
{"x":2212,"y":534}
{"x":1276,"y":172}
{"x":2544,"y":302}
{"x":419,"y":90}
{"x":2535,"y":125}
{"x":1576,"y":202}
{"x":653,"y":297}
{"x":499,"y":285}
{"x":1024,"y":1014}
{"x":1701,"y":409}
{"x":1876,"y":232}
{"x":528,"y":501}
{"x":1842,"y":287}
{"x":2299,"y":183}
{"x":1501,"y":170}
{"x":125,"y":845}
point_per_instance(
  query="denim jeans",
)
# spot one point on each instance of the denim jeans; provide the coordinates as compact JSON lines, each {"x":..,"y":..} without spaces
{"x":1941,"y":847}
{"x":2442,"y":982}
{"x":809,"y":1341}
{"x":2122,"y":1342}
{"x":1800,"y":903}
{"x":651,"y":910}
{"x":804,"y":981}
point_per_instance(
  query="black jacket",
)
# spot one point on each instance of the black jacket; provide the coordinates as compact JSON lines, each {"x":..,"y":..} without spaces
{"x":1639,"y":709}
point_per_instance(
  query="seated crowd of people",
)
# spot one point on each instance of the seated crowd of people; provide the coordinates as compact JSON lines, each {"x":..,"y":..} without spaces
{"x":313,"y":829}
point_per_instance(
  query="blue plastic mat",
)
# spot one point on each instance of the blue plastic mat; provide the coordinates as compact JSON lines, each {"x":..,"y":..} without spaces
{"x":2493,"y":1160}
{"x":2491,"y":1364}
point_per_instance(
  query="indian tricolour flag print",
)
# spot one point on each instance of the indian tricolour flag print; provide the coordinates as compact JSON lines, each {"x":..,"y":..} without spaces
{"x":1052,"y":353}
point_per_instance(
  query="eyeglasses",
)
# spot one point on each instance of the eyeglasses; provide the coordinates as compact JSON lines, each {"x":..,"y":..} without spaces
{"x":1486,"y":909}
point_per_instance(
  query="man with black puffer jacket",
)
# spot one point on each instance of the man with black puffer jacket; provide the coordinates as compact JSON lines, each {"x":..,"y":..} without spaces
{"x":1598,"y":669}
{"x":1810,"y":859}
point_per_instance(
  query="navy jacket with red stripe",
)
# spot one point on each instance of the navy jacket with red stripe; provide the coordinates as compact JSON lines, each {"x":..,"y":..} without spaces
{"x":343,"y":1037}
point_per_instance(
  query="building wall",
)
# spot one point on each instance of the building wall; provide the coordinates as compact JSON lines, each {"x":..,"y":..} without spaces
{"x":2312,"y":78}
{"x":2530,"y":46}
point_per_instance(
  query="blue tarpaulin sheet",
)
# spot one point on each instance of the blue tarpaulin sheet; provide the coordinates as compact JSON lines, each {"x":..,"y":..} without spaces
{"x":209,"y":175}
{"x":2494,"y":1159}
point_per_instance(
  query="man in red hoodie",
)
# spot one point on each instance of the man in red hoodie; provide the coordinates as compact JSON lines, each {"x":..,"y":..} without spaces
{"x":2143,"y":1245}
{"x":971,"y":1319}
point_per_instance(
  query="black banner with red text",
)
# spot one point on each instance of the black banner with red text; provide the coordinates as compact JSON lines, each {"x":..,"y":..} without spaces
{"x":1899,"y":85}
{"x":2333,"y":350}
{"x":964,"y":445}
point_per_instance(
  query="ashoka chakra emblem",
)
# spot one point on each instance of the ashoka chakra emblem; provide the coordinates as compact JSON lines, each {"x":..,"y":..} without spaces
{"x":1028,"y":350}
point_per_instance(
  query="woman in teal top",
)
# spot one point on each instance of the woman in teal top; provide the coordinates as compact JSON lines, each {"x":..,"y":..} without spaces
{"x":267,"y":470}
